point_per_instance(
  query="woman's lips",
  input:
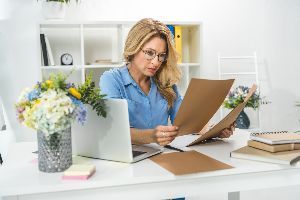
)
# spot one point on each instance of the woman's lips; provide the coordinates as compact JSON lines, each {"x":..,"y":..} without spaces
{"x":153,"y":70}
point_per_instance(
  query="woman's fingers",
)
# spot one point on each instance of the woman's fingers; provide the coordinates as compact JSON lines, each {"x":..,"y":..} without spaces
{"x":165,"y":134}
{"x":225,"y":133}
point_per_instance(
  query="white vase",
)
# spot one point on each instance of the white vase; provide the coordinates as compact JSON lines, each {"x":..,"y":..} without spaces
{"x":53,"y":10}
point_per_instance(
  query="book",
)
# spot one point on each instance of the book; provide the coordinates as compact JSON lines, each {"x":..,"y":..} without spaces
{"x":44,"y":49}
{"x":178,"y":42}
{"x":273,"y":148}
{"x":172,"y":29}
{"x":281,"y":137}
{"x":49,"y":51}
{"x":79,"y":172}
{"x":250,"y":153}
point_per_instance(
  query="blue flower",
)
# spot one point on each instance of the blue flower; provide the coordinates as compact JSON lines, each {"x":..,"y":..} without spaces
{"x":34,"y":94}
{"x":69,"y":85}
{"x":75,"y":101}
{"x":81,"y":113}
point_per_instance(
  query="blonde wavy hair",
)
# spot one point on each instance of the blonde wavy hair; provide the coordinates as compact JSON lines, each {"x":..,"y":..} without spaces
{"x":169,"y":73}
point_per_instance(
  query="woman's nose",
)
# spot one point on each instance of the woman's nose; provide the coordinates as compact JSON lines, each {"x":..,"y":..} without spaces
{"x":155,"y":61}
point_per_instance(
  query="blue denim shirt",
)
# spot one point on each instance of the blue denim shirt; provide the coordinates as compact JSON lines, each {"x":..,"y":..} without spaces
{"x":145,"y":111}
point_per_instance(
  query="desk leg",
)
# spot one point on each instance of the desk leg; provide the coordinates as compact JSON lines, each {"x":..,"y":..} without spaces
{"x":233,"y":195}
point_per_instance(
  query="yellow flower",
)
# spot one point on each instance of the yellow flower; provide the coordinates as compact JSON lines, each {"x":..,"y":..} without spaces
{"x":49,"y":83}
{"x":37,"y":102}
{"x":75,"y":93}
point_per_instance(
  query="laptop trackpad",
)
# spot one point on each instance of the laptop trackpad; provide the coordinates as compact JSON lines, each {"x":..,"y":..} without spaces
{"x":137,"y":153}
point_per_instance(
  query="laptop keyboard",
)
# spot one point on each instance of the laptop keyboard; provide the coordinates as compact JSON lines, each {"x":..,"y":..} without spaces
{"x":137,"y":153}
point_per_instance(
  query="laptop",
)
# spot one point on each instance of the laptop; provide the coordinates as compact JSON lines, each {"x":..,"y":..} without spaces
{"x":109,"y":138}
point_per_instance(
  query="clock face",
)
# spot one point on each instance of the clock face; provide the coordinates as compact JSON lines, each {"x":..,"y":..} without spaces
{"x":66,"y":59}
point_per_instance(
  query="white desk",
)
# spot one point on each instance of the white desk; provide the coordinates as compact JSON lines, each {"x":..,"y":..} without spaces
{"x":21,"y":179}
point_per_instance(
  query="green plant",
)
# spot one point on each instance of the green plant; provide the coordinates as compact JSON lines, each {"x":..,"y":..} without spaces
{"x":237,"y":96}
{"x":91,"y":95}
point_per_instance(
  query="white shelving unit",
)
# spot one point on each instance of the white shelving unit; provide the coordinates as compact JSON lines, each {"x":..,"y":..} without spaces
{"x":103,"y":41}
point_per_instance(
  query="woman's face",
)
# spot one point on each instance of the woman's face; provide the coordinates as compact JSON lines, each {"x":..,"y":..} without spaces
{"x":145,"y":62}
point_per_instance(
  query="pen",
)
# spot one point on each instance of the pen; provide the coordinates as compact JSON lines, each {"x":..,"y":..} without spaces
{"x":173,"y":148}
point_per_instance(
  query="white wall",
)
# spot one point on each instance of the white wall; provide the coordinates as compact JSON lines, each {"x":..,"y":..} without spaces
{"x":233,"y":27}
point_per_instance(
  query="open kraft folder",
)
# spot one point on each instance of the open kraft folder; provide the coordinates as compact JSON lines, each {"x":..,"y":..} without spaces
{"x":199,"y":105}
{"x":201,"y":101}
{"x":226,"y":121}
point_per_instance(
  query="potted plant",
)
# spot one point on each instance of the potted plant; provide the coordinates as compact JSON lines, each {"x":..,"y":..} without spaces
{"x":237,"y":96}
{"x":50,"y":107}
{"x":54,"y":9}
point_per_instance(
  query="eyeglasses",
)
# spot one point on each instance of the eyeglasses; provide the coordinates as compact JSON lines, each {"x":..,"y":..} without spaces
{"x":150,"y":54}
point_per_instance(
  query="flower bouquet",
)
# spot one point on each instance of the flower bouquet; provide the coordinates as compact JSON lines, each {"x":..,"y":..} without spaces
{"x":237,"y":96}
{"x":50,"y":107}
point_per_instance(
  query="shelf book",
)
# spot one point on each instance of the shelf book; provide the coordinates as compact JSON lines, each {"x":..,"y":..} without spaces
{"x":49,"y":52}
{"x":178,"y":42}
{"x":44,"y":50}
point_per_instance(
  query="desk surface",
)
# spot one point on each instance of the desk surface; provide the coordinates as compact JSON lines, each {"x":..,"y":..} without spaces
{"x":21,"y":177}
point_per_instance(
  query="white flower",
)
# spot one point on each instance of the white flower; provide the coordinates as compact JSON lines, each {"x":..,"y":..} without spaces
{"x":54,"y":113}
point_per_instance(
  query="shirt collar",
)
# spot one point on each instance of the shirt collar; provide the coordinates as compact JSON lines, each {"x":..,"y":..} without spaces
{"x":126,"y":76}
{"x":128,"y":79}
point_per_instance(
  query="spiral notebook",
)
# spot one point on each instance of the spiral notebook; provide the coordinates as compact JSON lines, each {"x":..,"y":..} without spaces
{"x":277,"y":137}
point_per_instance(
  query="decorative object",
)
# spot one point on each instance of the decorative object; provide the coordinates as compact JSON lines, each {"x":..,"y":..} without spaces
{"x":55,"y":153}
{"x":54,"y":9}
{"x":50,"y":107}
{"x":66,"y":59}
{"x":243,"y":121}
{"x":237,"y":96}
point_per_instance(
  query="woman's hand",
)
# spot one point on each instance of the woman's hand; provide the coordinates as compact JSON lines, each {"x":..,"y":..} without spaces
{"x":164,"y":135}
{"x":227,"y":132}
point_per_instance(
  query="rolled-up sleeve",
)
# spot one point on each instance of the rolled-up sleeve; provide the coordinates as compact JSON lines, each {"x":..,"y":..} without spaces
{"x":177,"y":103}
{"x":109,"y":85}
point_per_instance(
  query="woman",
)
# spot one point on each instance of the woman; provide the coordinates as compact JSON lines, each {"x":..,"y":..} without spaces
{"x":148,"y":83}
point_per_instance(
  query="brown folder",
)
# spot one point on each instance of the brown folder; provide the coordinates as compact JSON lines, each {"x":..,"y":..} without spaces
{"x":188,"y":162}
{"x":226,"y":121}
{"x":201,"y":101}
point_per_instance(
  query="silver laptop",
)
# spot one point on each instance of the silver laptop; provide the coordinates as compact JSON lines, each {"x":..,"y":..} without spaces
{"x":109,"y":138}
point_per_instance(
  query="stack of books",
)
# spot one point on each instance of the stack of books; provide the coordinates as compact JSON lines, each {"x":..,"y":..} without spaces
{"x":275,"y":147}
